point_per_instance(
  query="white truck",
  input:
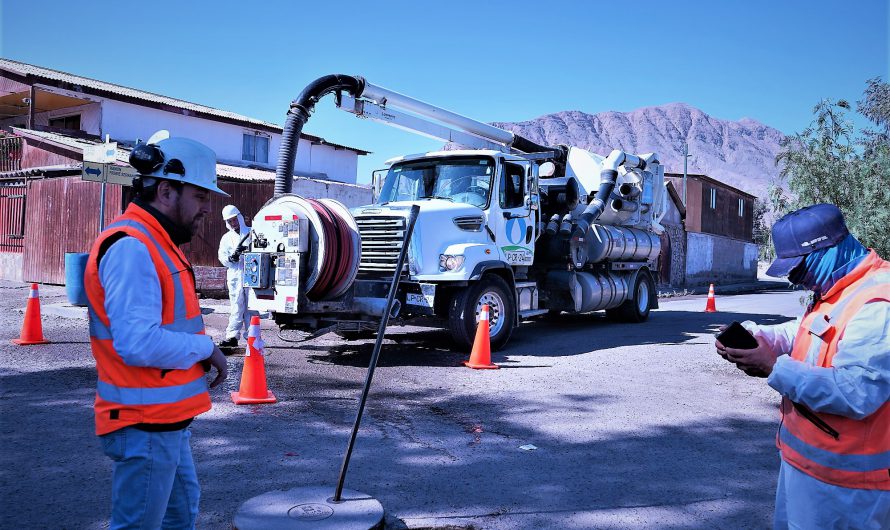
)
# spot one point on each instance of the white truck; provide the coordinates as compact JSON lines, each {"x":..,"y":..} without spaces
{"x":527,"y":229}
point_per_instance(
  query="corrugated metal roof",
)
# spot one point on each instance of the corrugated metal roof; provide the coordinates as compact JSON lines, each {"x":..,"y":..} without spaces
{"x":42,"y":170}
{"x":47,"y":73}
{"x":56,"y":75}
{"x":224,"y":171}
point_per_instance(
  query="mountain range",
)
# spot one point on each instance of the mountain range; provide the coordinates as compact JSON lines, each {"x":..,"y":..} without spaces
{"x":740,"y":153}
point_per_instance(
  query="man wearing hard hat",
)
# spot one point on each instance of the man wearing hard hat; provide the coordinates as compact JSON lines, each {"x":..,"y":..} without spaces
{"x":832,"y":369}
{"x":231,"y":246}
{"x":147,"y":336}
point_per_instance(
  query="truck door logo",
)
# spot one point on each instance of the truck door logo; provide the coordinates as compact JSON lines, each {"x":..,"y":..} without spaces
{"x":516,"y":230}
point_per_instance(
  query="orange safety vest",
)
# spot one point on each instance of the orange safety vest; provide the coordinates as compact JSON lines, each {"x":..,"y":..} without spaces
{"x":127,"y":395}
{"x":836,"y":449}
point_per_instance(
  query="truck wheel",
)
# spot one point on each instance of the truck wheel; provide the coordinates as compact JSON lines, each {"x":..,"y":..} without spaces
{"x":636,"y":308}
{"x":467,"y":303}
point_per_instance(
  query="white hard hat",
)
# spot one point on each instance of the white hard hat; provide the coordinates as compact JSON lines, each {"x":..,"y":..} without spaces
{"x":177,"y":159}
{"x":229,"y":211}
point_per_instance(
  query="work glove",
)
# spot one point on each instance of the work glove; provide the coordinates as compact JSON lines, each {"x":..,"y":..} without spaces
{"x":216,"y":360}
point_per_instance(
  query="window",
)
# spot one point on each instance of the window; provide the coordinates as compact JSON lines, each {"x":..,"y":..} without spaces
{"x":461,"y":180}
{"x":255,"y":148}
{"x":713,"y":198}
{"x":70,"y":123}
{"x":511,"y":193}
{"x":741,"y":207}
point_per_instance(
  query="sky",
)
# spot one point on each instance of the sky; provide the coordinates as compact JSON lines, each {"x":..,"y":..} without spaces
{"x":769,"y":60}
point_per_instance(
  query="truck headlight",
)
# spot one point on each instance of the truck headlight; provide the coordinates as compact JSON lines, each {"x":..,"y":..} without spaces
{"x":448,"y":262}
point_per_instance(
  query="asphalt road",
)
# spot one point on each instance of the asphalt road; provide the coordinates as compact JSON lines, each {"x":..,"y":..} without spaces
{"x":635,"y":426}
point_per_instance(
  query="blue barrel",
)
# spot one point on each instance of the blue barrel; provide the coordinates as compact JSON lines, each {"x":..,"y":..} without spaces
{"x":75,"y":265}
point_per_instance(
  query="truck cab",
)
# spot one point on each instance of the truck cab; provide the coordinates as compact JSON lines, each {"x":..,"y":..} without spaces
{"x":478,"y":223}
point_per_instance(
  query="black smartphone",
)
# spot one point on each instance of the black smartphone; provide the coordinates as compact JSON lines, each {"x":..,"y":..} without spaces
{"x":736,"y":336}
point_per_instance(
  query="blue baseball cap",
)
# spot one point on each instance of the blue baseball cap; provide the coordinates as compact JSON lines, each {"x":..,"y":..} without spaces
{"x":804,"y":231}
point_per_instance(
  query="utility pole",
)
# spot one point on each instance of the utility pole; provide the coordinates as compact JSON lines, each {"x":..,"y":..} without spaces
{"x":686,"y":156}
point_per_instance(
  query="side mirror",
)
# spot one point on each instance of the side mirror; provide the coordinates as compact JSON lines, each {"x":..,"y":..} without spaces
{"x":547,"y":169}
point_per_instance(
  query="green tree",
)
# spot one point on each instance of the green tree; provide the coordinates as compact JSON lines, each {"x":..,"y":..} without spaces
{"x":831,"y":162}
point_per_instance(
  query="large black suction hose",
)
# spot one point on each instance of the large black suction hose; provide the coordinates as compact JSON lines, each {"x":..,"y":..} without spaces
{"x":297,"y":116}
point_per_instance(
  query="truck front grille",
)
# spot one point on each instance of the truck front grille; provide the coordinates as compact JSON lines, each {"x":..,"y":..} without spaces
{"x":381,"y":242}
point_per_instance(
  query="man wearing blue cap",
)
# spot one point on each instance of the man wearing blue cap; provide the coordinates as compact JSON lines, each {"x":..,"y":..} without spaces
{"x":832,"y":368}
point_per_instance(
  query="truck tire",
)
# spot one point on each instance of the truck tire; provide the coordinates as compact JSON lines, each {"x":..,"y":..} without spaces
{"x":636,"y":308}
{"x":467,"y":303}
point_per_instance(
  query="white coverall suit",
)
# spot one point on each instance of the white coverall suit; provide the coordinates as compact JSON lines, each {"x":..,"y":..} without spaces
{"x":238,"y":294}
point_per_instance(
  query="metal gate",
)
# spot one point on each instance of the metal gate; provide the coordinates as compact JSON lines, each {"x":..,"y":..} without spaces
{"x":12,"y":214}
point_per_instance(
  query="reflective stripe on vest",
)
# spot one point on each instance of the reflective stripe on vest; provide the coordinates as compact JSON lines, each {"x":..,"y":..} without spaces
{"x":150,"y":396}
{"x":844,"y":462}
{"x":859,"y":457}
{"x":128,"y":395}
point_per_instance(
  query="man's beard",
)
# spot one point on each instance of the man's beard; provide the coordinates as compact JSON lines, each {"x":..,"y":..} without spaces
{"x":189,"y":226}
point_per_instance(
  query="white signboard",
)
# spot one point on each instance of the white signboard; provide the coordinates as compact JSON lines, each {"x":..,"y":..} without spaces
{"x":102,"y":153}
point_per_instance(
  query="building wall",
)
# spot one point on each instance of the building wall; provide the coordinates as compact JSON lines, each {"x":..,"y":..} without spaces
{"x":672,"y":261}
{"x":327,"y":160}
{"x":716,"y":259}
{"x":62,"y":215}
{"x":11,"y":266}
{"x":90,"y":118}
{"x":130,"y":122}
{"x":693,"y":205}
{"x":351,"y":195}
{"x":724,"y":218}
{"x":38,"y":154}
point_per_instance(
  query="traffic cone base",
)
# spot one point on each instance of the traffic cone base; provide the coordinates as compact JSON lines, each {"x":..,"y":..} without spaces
{"x":490,"y":366}
{"x":238,"y":399}
{"x":711,"y":306}
{"x":253,"y":388}
{"x":32,"y":328}
{"x":480,"y":357}
{"x":21,"y":342}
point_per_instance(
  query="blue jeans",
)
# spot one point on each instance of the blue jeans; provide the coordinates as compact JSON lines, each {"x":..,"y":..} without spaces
{"x":154,"y":484}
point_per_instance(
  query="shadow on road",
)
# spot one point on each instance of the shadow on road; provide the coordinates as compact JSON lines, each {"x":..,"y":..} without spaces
{"x":555,"y":337}
{"x":419,"y":452}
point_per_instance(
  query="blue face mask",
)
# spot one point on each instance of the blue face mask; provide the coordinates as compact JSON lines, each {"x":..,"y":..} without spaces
{"x":824,"y":267}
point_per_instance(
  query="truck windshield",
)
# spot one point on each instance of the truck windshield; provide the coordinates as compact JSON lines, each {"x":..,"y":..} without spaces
{"x":466,"y":180}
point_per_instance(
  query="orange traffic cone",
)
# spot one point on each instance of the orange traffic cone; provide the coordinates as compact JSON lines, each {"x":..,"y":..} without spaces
{"x":32,"y":329}
{"x":480,"y":357}
{"x":253,"y":375}
{"x":712,"y":305}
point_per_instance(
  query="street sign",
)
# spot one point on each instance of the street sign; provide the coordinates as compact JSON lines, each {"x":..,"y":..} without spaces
{"x":122,"y":175}
{"x":102,"y":153}
{"x":111,"y":173}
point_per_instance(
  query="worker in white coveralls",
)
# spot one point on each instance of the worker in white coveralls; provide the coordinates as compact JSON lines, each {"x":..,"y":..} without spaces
{"x":230,"y":253}
{"x":832,"y":368}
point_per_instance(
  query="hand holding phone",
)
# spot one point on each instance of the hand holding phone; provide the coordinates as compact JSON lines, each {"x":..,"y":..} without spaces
{"x":736,"y":336}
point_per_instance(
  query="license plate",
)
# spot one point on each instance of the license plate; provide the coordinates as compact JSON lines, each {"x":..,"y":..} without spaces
{"x":426,"y":298}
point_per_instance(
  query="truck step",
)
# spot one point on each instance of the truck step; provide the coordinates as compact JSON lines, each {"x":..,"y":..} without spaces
{"x":528,"y":313}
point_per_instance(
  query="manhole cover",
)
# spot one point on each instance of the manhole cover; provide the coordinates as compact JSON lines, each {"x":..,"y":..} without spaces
{"x":310,"y":512}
